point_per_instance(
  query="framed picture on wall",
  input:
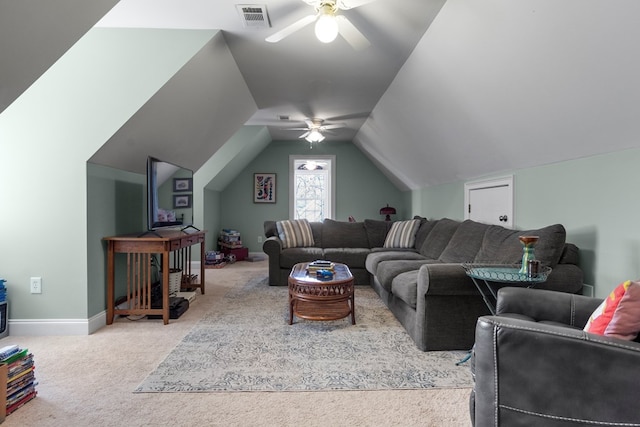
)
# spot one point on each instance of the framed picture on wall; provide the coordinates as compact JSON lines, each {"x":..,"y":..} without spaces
{"x":181,"y":201}
{"x":182,"y":184}
{"x":264,"y":188}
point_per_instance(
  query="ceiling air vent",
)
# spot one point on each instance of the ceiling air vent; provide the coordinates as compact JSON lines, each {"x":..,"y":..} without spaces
{"x":253,"y":15}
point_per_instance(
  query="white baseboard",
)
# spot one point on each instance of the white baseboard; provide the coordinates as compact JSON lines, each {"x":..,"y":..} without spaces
{"x":260,"y":255}
{"x":51,"y":327}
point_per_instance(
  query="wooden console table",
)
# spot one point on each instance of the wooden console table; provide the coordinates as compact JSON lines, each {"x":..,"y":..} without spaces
{"x":139,"y":249}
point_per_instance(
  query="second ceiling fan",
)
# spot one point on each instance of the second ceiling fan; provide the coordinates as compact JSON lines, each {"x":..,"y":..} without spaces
{"x":328,"y":23}
{"x":314,"y":132}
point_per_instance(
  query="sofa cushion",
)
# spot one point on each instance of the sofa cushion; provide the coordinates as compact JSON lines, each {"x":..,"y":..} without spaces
{"x":438,"y":238}
{"x":405,"y":287}
{"x":292,"y":256}
{"x":570,"y":254}
{"x":423,"y":231}
{"x":270,"y":229}
{"x":377,"y":256}
{"x":341,"y":234}
{"x":465,"y":242}
{"x":388,"y":270}
{"x":295,"y":233}
{"x":376,"y":231}
{"x":619,"y":314}
{"x":352,"y":257}
{"x":402,"y":234}
{"x":501,"y":245}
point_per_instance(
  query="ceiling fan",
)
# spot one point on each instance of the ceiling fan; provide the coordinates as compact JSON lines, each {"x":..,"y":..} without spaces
{"x":314,"y":132}
{"x":328,"y":23}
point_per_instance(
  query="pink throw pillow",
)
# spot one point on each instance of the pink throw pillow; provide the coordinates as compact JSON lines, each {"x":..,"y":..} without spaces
{"x":618,"y":315}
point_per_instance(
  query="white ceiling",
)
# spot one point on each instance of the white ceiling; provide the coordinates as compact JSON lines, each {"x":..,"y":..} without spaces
{"x":498,"y":85}
{"x":448,"y":91}
{"x":299,"y":77}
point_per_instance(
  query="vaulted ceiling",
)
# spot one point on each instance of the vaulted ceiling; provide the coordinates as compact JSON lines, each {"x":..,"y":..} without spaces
{"x":447,"y":91}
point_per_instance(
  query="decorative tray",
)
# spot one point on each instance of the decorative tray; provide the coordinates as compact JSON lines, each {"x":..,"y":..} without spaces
{"x":505,"y":273}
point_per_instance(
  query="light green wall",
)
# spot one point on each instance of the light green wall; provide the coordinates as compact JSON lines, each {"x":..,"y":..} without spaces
{"x":595,"y":199}
{"x":166,"y":195}
{"x":219,"y":171}
{"x":443,"y":201}
{"x":47,"y":135}
{"x":212,"y":209}
{"x":361,"y":189}
{"x":115,"y":205}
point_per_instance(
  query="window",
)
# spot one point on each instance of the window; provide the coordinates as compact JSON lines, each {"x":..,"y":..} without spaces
{"x":311,"y":187}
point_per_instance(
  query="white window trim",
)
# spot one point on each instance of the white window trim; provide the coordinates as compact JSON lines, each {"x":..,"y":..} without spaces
{"x":332,"y":201}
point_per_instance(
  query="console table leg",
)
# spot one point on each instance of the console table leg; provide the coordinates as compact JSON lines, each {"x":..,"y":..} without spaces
{"x":165,"y":287}
{"x":110,"y":283}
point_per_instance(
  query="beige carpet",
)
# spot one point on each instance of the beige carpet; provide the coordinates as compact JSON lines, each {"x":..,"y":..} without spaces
{"x":88,"y":381}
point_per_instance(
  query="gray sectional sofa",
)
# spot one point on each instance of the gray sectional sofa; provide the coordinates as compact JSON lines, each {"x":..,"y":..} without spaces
{"x":425,"y":286}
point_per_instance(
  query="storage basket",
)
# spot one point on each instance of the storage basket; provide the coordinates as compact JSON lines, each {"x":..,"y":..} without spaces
{"x":175,"y":280}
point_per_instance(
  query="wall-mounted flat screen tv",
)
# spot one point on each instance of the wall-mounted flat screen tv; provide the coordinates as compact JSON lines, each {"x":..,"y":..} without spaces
{"x":169,"y":195}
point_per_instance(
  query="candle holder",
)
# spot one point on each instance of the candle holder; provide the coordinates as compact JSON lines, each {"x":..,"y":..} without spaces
{"x":528,"y":248}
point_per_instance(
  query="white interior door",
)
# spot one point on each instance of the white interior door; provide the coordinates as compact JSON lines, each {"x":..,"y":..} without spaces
{"x":490,"y":202}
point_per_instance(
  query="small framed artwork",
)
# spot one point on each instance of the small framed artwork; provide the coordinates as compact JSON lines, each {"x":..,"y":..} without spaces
{"x":182,"y":184}
{"x":181,"y":201}
{"x":264,"y":188}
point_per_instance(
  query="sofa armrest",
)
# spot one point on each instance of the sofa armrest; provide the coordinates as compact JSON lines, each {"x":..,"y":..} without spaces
{"x":564,"y":278}
{"x":272,"y":246}
{"x":444,"y":279}
{"x":542,"y":305}
{"x":530,"y":373}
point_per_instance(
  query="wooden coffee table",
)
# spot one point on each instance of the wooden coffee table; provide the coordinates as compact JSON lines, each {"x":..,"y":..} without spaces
{"x":315,"y":299}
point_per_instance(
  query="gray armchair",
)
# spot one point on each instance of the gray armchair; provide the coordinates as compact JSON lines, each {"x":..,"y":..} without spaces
{"x":534,"y":366}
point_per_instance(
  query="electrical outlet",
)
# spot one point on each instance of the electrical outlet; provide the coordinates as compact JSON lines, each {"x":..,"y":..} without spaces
{"x":36,"y":285}
{"x":259,"y":239}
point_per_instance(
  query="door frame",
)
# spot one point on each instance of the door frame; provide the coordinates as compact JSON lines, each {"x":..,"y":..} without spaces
{"x":490,"y":183}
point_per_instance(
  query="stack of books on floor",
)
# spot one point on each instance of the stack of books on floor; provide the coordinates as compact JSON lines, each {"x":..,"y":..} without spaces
{"x":214,"y":258}
{"x":229,"y":239}
{"x":20,"y":376}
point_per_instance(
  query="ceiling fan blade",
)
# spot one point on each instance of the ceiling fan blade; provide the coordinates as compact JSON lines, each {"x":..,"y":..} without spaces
{"x":362,"y":115}
{"x":304,"y":134}
{"x":350,"y":4}
{"x":335,"y":126}
{"x":351,"y":34}
{"x":294,"y":128}
{"x":287,"y":31}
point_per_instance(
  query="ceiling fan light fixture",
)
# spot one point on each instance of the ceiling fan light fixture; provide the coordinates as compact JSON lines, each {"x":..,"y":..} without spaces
{"x":314,"y":136}
{"x":327,"y":24}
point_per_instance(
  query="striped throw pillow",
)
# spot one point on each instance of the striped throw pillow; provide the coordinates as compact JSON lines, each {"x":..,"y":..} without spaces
{"x":295,"y":233}
{"x":402,"y":234}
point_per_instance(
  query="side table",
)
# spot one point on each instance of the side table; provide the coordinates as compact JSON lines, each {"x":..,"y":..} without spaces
{"x":489,"y":278}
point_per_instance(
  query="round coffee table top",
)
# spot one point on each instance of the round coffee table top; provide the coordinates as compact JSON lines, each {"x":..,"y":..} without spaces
{"x":341,"y":274}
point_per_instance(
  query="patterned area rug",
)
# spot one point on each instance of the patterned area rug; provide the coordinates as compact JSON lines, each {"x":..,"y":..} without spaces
{"x":246,"y":344}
